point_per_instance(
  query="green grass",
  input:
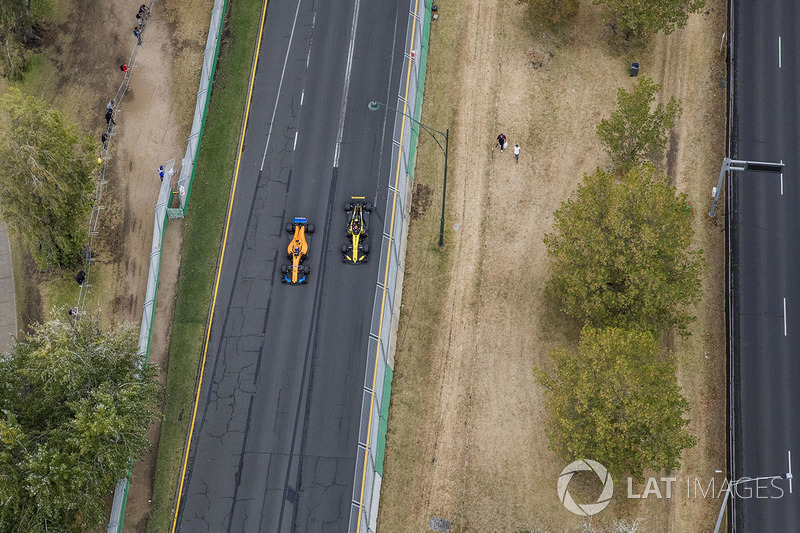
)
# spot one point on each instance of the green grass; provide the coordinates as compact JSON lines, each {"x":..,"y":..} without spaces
{"x":202,"y":233}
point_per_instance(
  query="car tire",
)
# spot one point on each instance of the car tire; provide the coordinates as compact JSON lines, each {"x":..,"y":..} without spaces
{"x":309,"y":228}
{"x":348,"y":206}
{"x":366,"y":258}
{"x":344,"y":248}
{"x":368,"y":207}
{"x":284,"y":269}
{"x":366,"y":248}
{"x":289,"y":227}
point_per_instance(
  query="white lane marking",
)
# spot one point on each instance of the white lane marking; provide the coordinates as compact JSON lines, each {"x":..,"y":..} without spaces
{"x":784,"y":317}
{"x":295,"y":141}
{"x":781,"y":179}
{"x":302,"y":96}
{"x":280,"y":85}
{"x":349,"y":67}
{"x":779,"y":52}
{"x":789,"y":474}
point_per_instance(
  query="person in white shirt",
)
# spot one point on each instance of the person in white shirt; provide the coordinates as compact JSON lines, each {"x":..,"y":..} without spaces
{"x":516,"y":152}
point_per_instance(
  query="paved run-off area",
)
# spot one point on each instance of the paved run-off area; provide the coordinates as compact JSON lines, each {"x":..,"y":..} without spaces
{"x":466,"y":439}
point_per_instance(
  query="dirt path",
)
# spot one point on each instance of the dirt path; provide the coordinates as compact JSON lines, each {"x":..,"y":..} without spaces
{"x":480,"y":456}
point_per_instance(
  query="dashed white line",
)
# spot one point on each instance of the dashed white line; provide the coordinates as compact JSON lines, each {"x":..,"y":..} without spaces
{"x":295,"y":141}
{"x":784,"y":317}
{"x":280,"y":85}
{"x":779,"y":52}
{"x":302,"y":96}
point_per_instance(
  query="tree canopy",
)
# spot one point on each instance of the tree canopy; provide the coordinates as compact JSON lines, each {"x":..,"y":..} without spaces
{"x":75,"y":406}
{"x":616,"y":400}
{"x":637,"y":18}
{"x":46,"y":173}
{"x":16,"y":25}
{"x":620,"y":253}
{"x":637,"y":132}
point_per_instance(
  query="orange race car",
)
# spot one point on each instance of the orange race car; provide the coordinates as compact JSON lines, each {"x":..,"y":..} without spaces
{"x":357,"y":248}
{"x":297,"y":252}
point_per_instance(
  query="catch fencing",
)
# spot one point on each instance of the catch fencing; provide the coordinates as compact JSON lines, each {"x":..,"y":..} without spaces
{"x":386,"y":307}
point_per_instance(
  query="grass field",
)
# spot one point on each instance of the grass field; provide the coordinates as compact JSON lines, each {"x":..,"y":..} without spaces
{"x":465,"y":435}
{"x":203,"y":232}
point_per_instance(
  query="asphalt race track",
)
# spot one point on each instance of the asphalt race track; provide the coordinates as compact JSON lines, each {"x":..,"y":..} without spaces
{"x":275,"y":439}
{"x":765,"y":264}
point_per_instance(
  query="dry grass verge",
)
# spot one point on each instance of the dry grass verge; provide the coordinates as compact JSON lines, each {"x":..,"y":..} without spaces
{"x":465,"y":437}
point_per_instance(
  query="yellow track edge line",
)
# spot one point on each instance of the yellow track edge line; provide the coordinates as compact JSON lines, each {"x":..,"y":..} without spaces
{"x":219,"y":269}
{"x":385,"y":279}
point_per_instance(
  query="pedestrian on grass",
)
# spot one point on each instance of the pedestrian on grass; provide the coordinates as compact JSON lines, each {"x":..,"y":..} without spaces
{"x":516,"y":152}
{"x":138,"y":33}
{"x":110,"y":118}
{"x":501,"y":140}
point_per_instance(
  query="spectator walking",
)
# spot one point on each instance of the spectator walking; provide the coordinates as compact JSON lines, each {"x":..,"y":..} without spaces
{"x":516,"y":152}
{"x":138,"y":33}
{"x":104,"y":140}
{"x":123,"y":67}
{"x":501,"y":140}
{"x":161,"y":172}
{"x":110,"y":118}
{"x":110,"y":106}
{"x":140,"y":19}
{"x":144,"y":11}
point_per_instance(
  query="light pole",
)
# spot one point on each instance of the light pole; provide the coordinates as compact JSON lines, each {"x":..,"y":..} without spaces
{"x":788,"y":476}
{"x":374,"y":105}
{"x":737,"y":165}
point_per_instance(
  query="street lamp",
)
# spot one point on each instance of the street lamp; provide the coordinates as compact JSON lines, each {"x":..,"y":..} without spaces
{"x":788,"y":476}
{"x":374,"y":105}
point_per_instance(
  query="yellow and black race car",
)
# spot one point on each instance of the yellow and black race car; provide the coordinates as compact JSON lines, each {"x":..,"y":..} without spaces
{"x":297,"y":252}
{"x":357,"y":248}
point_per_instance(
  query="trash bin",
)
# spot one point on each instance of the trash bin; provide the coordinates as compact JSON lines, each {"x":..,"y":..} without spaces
{"x":634,"y":70}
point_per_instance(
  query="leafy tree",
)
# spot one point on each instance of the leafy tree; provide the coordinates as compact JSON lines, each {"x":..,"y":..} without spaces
{"x":551,"y":11}
{"x":636,"y":132}
{"x":45,"y":179}
{"x":16,"y":25}
{"x":617,"y":401}
{"x":620,"y":253}
{"x":636,"y":18}
{"x":75,"y":406}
